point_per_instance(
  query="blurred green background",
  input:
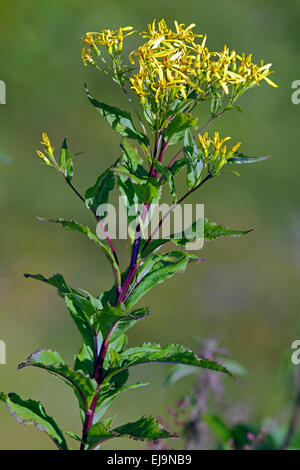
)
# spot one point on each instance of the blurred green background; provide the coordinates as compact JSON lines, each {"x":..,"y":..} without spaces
{"x":247,"y":291}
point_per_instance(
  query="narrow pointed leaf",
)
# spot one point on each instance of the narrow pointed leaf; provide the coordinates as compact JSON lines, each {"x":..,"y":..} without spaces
{"x":115,"y":321}
{"x":172,"y":353}
{"x":159,"y":267}
{"x":56,"y":280}
{"x":32,"y":412}
{"x":66,"y":163}
{"x":52,"y":362}
{"x":210,"y":230}
{"x":146,"y":428}
{"x":119,"y":120}
{"x":213,"y":231}
{"x":241,"y":159}
{"x":99,"y":193}
{"x":194,"y":163}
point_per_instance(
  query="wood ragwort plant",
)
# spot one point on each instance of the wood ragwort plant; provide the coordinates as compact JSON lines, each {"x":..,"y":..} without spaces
{"x":165,"y":79}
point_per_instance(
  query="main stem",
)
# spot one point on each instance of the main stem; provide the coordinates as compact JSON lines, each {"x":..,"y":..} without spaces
{"x":159,"y":148}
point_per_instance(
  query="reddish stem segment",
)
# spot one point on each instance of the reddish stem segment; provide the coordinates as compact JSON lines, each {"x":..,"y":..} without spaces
{"x":88,"y":422}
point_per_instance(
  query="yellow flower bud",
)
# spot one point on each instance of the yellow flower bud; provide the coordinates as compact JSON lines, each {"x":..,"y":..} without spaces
{"x":235,"y":147}
{"x":45,"y":140}
{"x":43,"y":157}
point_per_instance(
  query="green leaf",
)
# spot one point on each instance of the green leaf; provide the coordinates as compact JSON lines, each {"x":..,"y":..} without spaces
{"x":235,"y":107}
{"x":175,"y":131}
{"x":32,"y":412}
{"x":241,"y":159}
{"x":193,"y":161}
{"x":84,"y":360}
{"x":3,"y":397}
{"x":179,"y":372}
{"x":168,"y":177}
{"x":130,"y":165}
{"x":135,"y":196}
{"x":119,"y":120}
{"x":66,"y":164}
{"x":99,"y":193}
{"x":156,"y":270}
{"x":218,"y":426}
{"x":120,"y":342}
{"x":52,"y":362}
{"x":56,"y":280}
{"x":76,"y":227}
{"x":172,"y":353}
{"x":190,"y":234}
{"x":210,"y":231}
{"x":118,"y":321}
{"x":148,"y":193}
{"x":146,"y":428}
{"x":82,"y":311}
{"x":213,"y":231}
{"x":106,"y":320}
{"x":106,"y":398}
{"x":216,"y":102}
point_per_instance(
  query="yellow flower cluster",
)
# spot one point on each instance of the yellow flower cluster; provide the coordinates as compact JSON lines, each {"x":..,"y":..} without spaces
{"x":47,"y":144}
{"x":172,"y":63}
{"x":113,"y":40}
{"x":215,"y":150}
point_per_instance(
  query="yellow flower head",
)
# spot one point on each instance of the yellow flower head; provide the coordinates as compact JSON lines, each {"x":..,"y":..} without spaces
{"x":43,"y":157}
{"x":174,"y":64}
{"x":46,"y":140}
{"x":89,"y":39}
{"x":235,"y":147}
{"x":86,"y":56}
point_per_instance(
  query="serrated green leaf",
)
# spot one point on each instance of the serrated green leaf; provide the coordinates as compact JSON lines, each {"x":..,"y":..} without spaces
{"x":130,"y":165}
{"x":175,"y":131}
{"x":146,"y":428}
{"x":52,"y":362}
{"x":210,"y":231}
{"x":213,"y":231}
{"x":158,"y":268}
{"x":172,"y":353}
{"x":66,"y":163}
{"x":119,"y":120}
{"x":32,"y":412}
{"x":57,"y":281}
{"x":239,"y":158}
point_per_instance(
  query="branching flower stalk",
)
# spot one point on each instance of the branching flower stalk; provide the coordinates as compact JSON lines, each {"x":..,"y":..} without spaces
{"x":165,"y":79}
